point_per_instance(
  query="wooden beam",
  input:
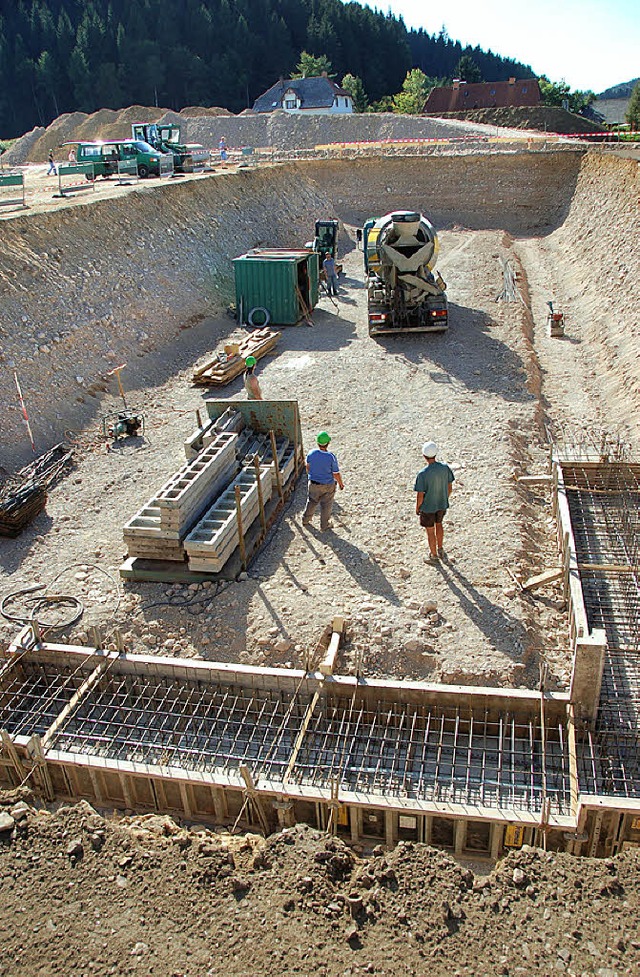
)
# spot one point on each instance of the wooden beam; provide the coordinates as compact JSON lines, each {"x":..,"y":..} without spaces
{"x":548,"y":576}
{"x":328,"y":662}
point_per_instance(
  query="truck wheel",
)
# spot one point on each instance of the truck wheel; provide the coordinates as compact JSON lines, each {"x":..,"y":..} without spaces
{"x":143,"y":171}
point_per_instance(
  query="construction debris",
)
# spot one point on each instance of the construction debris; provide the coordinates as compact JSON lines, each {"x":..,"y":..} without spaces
{"x":24,"y":495}
{"x":227,"y":364}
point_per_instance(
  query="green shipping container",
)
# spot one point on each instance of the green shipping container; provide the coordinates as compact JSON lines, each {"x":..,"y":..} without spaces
{"x":282,"y":281}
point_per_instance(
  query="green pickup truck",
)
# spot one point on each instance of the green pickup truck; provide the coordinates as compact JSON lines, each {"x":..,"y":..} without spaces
{"x":105,"y":156}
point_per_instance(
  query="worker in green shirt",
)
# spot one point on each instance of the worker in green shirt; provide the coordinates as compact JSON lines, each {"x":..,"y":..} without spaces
{"x":433,"y":487}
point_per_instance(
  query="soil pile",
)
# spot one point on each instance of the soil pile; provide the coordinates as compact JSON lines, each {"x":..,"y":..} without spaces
{"x":206,"y":125}
{"x":543,"y":118}
{"x":84,"y":893}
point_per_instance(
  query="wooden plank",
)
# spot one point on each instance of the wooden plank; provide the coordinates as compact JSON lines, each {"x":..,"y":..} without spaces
{"x":535,"y":479}
{"x":258,"y":344}
{"x":328,"y":662}
{"x":548,"y":576}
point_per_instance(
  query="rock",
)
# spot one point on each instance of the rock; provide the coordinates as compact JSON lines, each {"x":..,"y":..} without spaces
{"x":284,"y":645}
{"x":519,"y":877}
{"x":140,"y":949}
{"x":429,"y":607}
{"x":6,"y":821}
{"x":75,"y":848}
{"x":20,"y":811}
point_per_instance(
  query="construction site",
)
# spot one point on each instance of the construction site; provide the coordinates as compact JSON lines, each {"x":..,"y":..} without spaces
{"x":382,"y":762}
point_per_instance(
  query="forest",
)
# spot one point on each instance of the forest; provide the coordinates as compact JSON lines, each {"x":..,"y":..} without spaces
{"x":82,"y":55}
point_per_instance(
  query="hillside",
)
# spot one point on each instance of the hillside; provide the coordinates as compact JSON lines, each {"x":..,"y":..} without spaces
{"x":543,"y":118}
{"x":623,"y":90}
{"x":81,"y":55}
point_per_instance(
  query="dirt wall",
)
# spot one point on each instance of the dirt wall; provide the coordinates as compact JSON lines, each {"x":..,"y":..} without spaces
{"x":601,"y":235}
{"x":523,"y":194}
{"x":86,"y":288}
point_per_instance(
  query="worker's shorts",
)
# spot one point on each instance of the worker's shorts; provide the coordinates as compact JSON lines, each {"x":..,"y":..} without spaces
{"x":429,"y":519}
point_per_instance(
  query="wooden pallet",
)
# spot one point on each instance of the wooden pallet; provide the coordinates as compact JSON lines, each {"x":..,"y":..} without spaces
{"x":214,"y":371}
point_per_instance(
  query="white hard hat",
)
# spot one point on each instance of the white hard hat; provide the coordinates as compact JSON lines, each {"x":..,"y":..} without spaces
{"x":429,"y":449}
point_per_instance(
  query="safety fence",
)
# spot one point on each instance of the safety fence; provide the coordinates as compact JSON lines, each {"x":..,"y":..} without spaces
{"x":12,"y":190}
{"x":127,"y":171}
{"x":166,"y":165}
{"x":70,"y":178}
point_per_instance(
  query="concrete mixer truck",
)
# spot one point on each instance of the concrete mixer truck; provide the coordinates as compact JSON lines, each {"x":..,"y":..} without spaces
{"x":404,"y":295}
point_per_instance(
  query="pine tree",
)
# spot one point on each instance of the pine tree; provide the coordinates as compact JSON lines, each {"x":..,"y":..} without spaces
{"x":633,"y":109}
{"x":353,"y":85}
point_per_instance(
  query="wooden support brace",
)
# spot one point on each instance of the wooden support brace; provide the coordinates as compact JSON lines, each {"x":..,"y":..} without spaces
{"x":548,"y":576}
{"x":64,"y":714}
{"x":241,"y":544}
{"x":34,"y":749}
{"x":254,"y":796}
{"x":300,"y":736}
{"x":9,"y":748}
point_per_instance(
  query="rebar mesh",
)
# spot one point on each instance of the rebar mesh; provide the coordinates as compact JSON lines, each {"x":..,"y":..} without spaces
{"x":389,"y":747}
{"x":399,"y":749}
{"x":33,"y":693}
{"x":604,"y":502}
{"x":192,"y":725}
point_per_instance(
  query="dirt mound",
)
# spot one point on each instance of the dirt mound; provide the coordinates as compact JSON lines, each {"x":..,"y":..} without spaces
{"x":107,"y":124}
{"x":35,"y":150}
{"x":195,"y":111}
{"x":22,"y":149}
{"x":144,"y":895}
{"x":544,"y":118}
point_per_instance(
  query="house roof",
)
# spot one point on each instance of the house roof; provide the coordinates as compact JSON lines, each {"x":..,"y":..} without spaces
{"x":314,"y":93}
{"x":490,"y":94}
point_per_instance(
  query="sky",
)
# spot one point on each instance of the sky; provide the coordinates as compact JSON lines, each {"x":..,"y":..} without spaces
{"x":590,"y":44}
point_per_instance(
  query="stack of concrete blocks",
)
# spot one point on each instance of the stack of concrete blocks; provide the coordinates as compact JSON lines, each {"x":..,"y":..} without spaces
{"x":157,"y":531}
{"x":231,"y":420}
{"x":216,"y":536}
{"x":212,"y":541}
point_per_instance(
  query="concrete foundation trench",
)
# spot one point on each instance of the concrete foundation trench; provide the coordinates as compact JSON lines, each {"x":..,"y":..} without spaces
{"x":475,"y":770}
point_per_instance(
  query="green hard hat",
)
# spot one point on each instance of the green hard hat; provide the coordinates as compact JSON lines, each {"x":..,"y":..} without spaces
{"x":250,"y":361}
{"x":323,"y":438}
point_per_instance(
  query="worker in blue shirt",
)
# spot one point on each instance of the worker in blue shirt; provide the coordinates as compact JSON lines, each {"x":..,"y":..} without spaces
{"x":324,"y":474}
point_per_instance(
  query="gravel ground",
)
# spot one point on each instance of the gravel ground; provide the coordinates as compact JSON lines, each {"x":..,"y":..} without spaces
{"x":473,"y":389}
{"x":484,"y":391}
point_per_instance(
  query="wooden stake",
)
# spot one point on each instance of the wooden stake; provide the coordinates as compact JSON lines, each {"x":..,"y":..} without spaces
{"x":263,"y":518}
{"x":276,"y":465}
{"x":243,"y":551}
